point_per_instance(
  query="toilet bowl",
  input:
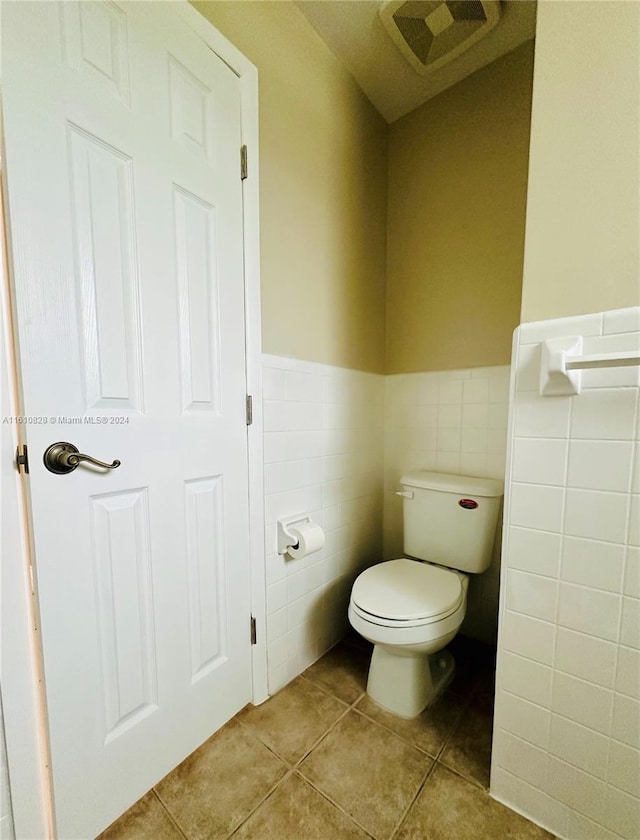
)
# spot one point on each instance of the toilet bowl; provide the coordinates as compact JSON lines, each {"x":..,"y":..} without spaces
{"x":409,"y":610}
{"x":412,"y":607}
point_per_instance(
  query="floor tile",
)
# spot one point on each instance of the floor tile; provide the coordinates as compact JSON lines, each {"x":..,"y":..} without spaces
{"x":146,"y":820}
{"x":448,"y":807}
{"x":291,"y":721}
{"x":342,"y":671}
{"x":469,"y":749}
{"x":367,"y":770}
{"x":296,"y":810}
{"x":428,"y":731}
{"x":218,"y":785}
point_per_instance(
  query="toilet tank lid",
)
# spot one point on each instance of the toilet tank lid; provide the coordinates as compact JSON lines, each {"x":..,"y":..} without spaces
{"x":450,"y":483}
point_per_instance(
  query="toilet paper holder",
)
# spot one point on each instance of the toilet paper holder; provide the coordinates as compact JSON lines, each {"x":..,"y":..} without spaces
{"x":286,"y":539}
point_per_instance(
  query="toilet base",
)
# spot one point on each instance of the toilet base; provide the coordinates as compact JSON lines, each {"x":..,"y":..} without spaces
{"x":406,"y":685}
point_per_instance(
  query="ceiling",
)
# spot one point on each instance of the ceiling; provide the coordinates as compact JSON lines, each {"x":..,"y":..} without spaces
{"x":353,"y":31}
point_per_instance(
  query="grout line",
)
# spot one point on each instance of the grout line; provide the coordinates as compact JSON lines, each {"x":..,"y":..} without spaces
{"x":321,"y":738}
{"x":336,"y":805}
{"x":248,"y":729}
{"x":407,"y":740}
{"x":165,"y":808}
{"x":323,"y":688}
{"x":269,"y":793}
{"x":469,"y":779}
{"x":414,"y":799}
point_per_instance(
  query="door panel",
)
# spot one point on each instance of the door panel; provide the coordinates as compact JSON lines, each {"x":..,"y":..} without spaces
{"x":122,"y":133}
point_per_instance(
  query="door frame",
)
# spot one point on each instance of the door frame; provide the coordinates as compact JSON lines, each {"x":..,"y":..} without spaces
{"x":21,"y":671}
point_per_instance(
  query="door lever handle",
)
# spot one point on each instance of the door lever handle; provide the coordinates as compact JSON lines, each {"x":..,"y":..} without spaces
{"x":62,"y":458}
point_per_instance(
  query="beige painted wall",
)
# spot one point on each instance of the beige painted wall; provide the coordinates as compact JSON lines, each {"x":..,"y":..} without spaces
{"x":583,"y":220}
{"x":456,"y":217}
{"x":323,"y":182}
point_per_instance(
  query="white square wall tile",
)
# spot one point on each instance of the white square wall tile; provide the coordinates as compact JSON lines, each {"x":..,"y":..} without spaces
{"x":476,"y":416}
{"x":589,"y":611}
{"x":534,"y":551}
{"x":630,"y":626}
{"x":578,"y":789}
{"x":449,"y":440}
{"x":632,"y":573}
{"x":539,"y":461}
{"x":624,"y":768}
{"x":474,"y":441}
{"x":634,"y":520}
{"x":537,"y":506}
{"x":536,"y":331}
{"x":623,"y":813}
{"x":450,"y":416}
{"x":296,"y":386}
{"x":499,"y":386}
{"x":600,"y":465}
{"x":628,"y":672}
{"x":473,"y":463}
{"x":582,"y":702}
{"x":635,"y":480}
{"x":475,"y":391}
{"x":275,"y":567}
{"x":277,"y":624}
{"x":605,"y":414}
{"x":450,"y":391}
{"x":517,"y":756}
{"x":448,"y":461}
{"x":541,"y":417}
{"x":528,"y":637}
{"x":272,"y":383}
{"x":598,"y":516}
{"x":497,"y":441}
{"x":273,"y":447}
{"x":585,"y":657}
{"x":580,"y":827}
{"x":621,"y":320}
{"x":592,"y":563}
{"x":579,"y":746}
{"x":532,"y":802}
{"x":276,"y":596}
{"x":528,"y":374}
{"x":524,"y":719}
{"x":284,"y":504}
{"x":532,"y":595}
{"x":526,"y":679}
{"x":427,"y":390}
{"x":497,"y":416}
{"x":274,"y":416}
{"x":625,"y":724}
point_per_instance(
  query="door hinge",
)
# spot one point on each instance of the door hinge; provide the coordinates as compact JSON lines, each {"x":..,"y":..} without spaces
{"x":249,"y":409}
{"x":244,"y":172}
{"x":253,"y":630}
{"x":22,"y":458}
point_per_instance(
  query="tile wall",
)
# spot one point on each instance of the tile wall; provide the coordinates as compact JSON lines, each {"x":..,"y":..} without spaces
{"x":450,"y":421}
{"x":323,"y":452}
{"x":567,"y":725}
{"x":6,"y":820}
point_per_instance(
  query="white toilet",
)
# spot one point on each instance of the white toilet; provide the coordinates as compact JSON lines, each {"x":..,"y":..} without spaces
{"x":411,"y":608}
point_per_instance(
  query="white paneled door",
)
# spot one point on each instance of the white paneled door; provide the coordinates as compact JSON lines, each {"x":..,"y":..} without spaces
{"x":122,"y":142}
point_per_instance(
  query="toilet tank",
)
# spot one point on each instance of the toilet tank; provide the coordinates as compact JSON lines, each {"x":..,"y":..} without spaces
{"x":450,"y":519}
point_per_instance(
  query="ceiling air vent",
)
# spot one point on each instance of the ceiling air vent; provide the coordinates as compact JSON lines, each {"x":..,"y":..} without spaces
{"x":431,"y":33}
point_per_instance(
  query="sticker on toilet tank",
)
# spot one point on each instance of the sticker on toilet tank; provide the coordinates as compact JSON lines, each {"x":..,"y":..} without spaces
{"x":468,"y":504}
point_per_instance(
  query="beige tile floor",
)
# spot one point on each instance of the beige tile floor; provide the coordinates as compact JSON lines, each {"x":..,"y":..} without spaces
{"x":320,"y":761}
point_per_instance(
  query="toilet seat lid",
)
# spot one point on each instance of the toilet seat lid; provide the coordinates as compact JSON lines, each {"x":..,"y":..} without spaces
{"x":405,"y":590}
